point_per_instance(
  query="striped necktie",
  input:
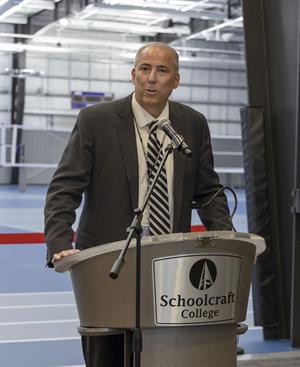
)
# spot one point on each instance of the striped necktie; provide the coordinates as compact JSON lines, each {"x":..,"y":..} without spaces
{"x":159,"y":213}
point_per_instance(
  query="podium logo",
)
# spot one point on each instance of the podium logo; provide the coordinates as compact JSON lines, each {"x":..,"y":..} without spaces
{"x":203,"y":274}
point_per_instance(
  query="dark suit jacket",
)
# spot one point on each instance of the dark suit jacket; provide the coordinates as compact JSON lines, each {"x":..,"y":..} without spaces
{"x":100,"y":160}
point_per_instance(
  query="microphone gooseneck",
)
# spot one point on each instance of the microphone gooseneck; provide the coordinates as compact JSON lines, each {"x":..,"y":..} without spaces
{"x":177,"y":140}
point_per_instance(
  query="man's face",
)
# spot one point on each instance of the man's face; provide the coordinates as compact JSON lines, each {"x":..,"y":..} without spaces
{"x":155,"y":76}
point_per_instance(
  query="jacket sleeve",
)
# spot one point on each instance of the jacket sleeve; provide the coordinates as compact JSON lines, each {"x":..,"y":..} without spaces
{"x":67,"y":186}
{"x":214,"y":216}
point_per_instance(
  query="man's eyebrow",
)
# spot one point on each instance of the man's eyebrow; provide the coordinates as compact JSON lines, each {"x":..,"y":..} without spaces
{"x":158,"y":66}
{"x":163,"y":66}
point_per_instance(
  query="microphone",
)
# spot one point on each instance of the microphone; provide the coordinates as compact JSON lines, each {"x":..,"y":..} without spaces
{"x":177,"y":140}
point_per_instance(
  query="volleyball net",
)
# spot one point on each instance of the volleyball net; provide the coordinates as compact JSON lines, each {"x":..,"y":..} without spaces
{"x":32,"y":147}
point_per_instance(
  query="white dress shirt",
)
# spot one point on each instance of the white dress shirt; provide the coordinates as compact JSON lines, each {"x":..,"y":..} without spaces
{"x":142,"y":121}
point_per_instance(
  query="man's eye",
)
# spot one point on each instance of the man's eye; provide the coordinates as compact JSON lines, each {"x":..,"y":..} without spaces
{"x":163,"y":70}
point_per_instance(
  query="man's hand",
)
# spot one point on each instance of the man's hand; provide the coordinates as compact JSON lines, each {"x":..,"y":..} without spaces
{"x":63,"y":254}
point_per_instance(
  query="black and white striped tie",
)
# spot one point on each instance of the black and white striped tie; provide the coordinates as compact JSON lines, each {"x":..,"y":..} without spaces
{"x":159,"y":213}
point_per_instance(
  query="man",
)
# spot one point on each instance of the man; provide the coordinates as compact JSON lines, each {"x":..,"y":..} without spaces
{"x":107,"y":159}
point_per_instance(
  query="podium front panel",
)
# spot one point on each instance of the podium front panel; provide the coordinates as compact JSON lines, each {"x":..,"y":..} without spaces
{"x":104,"y":302}
{"x":195,"y":289}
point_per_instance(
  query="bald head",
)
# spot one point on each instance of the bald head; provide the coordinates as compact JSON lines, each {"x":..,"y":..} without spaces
{"x":158,"y":45}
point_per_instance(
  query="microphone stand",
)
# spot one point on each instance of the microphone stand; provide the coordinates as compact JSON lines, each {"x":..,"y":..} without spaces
{"x":135,"y":229}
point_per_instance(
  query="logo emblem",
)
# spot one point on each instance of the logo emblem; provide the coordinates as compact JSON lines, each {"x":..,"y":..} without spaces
{"x":203,"y":274}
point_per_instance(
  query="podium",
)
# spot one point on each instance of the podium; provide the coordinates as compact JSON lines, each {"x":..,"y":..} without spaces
{"x":194,"y":291}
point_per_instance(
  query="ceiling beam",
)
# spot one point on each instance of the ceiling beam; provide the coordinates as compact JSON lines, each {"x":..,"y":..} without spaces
{"x":218,"y":14}
{"x":124,"y":27}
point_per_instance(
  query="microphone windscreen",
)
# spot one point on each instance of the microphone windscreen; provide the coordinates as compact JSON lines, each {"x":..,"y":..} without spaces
{"x":163,"y":122}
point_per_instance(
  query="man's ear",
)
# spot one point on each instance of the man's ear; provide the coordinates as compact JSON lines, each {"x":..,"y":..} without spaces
{"x":176,"y":81}
{"x":133,"y":75}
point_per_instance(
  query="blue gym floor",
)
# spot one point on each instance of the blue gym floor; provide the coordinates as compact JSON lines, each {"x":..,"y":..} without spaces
{"x":38,"y":317}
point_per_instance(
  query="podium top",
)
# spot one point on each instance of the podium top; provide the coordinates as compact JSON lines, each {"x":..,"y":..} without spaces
{"x":66,"y":263}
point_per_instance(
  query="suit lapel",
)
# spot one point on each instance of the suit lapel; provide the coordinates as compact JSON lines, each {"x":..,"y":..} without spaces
{"x":126,"y":134}
{"x":179,"y":162}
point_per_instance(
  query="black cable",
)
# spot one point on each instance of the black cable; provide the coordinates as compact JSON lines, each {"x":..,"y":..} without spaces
{"x":199,"y":206}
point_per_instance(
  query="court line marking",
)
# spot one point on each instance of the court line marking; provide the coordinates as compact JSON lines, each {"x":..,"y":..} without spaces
{"x":28,"y":229}
{"x":38,"y":322}
{"x":50,"y":305}
{"x":34,"y":293}
{"x":274,"y":356}
{"x":38,"y":340}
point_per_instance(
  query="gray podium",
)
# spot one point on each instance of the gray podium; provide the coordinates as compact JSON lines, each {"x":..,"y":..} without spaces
{"x":194,"y":290}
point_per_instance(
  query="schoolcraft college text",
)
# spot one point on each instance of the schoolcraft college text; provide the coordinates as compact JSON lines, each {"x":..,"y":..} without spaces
{"x":206,"y":300}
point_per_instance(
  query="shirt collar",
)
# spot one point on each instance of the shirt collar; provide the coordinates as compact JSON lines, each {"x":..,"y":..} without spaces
{"x":143,"y":117}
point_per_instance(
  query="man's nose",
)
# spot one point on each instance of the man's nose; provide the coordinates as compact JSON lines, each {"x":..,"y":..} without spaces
{"x":152,"y":76}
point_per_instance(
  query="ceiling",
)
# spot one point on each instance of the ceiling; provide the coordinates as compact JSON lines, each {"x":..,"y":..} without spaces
{"x":106,"y":29}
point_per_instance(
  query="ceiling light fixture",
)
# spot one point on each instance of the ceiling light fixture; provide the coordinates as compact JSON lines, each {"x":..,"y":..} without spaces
{"x":141,"y":12}
{"x":64,"y":22}
{"x":20,"y":47}
{"x":16,"y":35}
